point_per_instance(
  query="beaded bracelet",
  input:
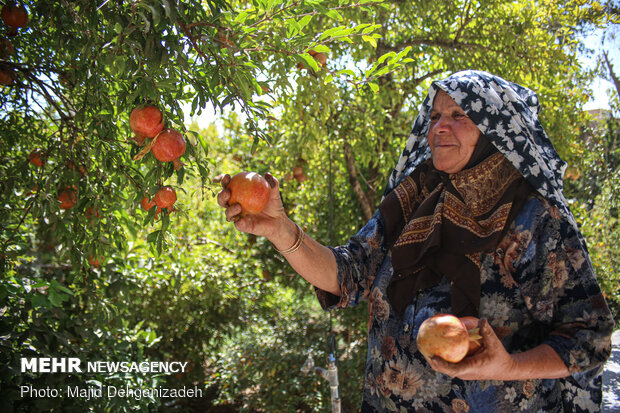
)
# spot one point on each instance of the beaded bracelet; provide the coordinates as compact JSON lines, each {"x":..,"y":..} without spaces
{"x":296,"y":245}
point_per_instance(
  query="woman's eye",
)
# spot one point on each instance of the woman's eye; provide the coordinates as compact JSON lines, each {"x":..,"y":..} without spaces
{"x":434,"y":118}
{"x":458,"y":115}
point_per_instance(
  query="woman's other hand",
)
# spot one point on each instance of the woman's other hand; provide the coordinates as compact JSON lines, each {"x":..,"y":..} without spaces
{"x":266,"y":223}
{"x":491,"y":362}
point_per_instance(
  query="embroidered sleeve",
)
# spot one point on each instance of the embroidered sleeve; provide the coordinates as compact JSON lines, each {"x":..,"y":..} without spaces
{"x":358,"y":262}
{"x":560,"y":290}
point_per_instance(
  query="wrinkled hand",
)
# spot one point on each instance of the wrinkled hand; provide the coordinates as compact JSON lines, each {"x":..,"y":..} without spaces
{"x":491,"y":362}
{"x":267,"y":222}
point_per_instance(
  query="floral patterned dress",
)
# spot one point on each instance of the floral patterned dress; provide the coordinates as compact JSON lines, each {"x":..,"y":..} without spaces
{"x":537,"y":287}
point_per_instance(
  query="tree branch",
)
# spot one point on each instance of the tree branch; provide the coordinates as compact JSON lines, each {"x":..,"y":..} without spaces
{"x":612,"y":74}
{"x":465,"y":19}
{"x":8,"y":241}
{"x":367,"y":208}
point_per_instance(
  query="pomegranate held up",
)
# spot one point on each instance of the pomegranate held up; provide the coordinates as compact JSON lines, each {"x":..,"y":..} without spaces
{"x":250,"y":190}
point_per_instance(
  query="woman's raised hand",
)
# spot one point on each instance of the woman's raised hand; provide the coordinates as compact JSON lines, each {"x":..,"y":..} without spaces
{"x":267,"y":223}
{"x":313,"y":261}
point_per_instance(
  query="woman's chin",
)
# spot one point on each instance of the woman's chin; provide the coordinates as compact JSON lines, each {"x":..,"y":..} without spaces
{"x":449,"y":166}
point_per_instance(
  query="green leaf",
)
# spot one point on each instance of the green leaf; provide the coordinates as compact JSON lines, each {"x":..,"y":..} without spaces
{"x":304,"y":21}
{"x":320,"y":48}
{"x":370,"y":40}
{"x":385,"y":56}
{"x":55,"y":298}
{"x":59,"y":286}
{"x":310,"y":61}
{"x":346,"y":72}
{"x":331,"y":32}
{"x":371,"y":28}
{"x":155,"y":235}
{"x":170,"y":12}
{"x":334,"y":15}
{"x":370,"y":71}
{"x":39,"y":300}
{"x":203,"y":171}
{"x":384,"y":70}
{"x":400,"y":55}
{"x":293,"y":27}
{"x":373,"y":86}
{"x":165,"y":222}
{"x":242,"y":17}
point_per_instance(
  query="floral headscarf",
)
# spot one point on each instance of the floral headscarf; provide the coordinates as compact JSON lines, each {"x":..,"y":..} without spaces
{"x":507,"y":114}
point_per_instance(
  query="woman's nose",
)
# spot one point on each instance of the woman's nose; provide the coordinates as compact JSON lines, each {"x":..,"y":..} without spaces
{"x":441,"y":125}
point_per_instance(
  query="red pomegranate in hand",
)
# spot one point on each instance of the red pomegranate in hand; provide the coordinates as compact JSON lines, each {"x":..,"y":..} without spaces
{"x":446,"y":336}
{"x":146,"y":121}
{"x":169,"y":146}
{"x":250,"y":190}
{"x":165,"y":197}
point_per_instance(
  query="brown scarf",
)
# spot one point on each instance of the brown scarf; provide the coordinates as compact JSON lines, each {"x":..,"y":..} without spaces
{"x":439,"y":224}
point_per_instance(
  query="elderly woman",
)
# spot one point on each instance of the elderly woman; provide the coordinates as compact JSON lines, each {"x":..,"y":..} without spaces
{"x":473,"y":222}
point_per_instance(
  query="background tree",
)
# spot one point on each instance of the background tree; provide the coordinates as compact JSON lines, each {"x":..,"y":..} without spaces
{"x":326,"y":91}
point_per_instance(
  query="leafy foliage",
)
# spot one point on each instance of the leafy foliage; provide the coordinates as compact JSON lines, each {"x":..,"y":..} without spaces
{"x":593,"y":183}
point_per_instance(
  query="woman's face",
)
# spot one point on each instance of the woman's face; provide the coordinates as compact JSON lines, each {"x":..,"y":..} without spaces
{"x":452,"y":135}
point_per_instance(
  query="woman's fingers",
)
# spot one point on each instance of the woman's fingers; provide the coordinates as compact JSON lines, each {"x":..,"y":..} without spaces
{"x":224,"y":195}
{"x":222,"y":198}
{"x":272,"y":181}
{"x":232,"y":213}
{"x":489,"y":338}
{"x":225,"y":180}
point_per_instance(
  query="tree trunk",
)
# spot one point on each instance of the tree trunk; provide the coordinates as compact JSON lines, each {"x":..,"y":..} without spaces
{"x":367,"y":207}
